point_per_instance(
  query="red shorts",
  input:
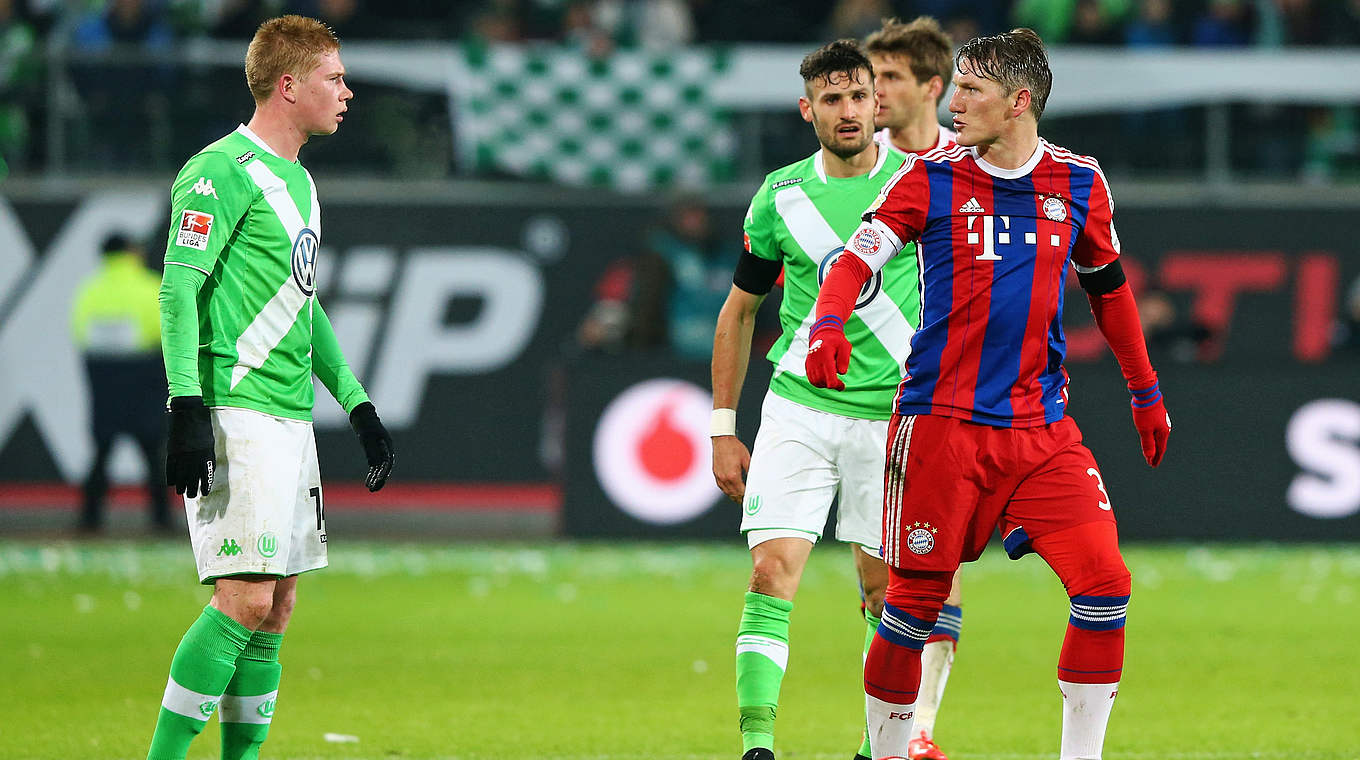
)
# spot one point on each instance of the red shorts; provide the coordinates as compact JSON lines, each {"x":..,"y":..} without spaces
{"x":949,"y":483}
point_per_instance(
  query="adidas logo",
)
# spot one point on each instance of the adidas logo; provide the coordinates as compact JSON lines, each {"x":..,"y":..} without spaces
{"x":972,"y":207}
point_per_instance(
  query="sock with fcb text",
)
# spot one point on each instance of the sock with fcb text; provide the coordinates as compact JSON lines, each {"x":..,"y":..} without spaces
{"x":762,"y":656}
{"x":937,"y":658}
{"x":202,"y":667}
{"x":247,"y":707}
{"x":1089,"y":668}
{"x":892,"y":675}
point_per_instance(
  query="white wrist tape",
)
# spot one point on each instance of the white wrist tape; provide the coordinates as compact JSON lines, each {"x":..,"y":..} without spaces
{"x":723,"y":422}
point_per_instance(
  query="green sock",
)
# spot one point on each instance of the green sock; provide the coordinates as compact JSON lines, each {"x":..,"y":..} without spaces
{"x":872,"y":627}
{"x":762,"y":655}
{"x":199,"y":673}
{"x":248,"y":705}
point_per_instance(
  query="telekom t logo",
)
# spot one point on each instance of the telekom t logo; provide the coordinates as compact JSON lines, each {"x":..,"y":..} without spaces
{"x":989,"y":236}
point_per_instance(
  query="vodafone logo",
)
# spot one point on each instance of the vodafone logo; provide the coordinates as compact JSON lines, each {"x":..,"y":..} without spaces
{"x":652,"y":453}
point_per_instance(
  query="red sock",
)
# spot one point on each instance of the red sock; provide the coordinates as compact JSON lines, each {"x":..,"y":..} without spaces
{"x":892,"y":669}
{"x":1086,"y":558}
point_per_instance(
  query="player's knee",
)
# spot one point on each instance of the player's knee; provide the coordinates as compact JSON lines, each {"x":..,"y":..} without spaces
{"x":248,"y":604}
{"x":282,"y":610}
{"x":1108,"y":576}
{"x":918,"y":593}
{"x":253,"y":610}
{"x":774,"y":575}
{"x":873,"y":600}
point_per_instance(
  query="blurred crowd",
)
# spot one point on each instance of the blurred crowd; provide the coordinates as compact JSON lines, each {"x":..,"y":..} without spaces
{"x":600,"y":25}
{"x":120,"y":99}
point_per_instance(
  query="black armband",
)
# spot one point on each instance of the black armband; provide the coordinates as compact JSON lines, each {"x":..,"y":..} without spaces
{"x":1107,"y":279}
{"x":756,"y":275}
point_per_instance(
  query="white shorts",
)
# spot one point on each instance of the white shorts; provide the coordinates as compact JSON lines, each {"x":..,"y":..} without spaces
{"x":264,"y":514}
{"x":802,"y":458}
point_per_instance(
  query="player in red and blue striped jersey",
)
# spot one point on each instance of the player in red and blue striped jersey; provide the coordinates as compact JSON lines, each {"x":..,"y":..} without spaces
{"x":980,"y":439}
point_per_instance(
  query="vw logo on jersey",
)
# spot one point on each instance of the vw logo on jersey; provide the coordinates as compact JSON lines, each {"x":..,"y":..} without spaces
{"x":304,"y":260}
{"x":866,"y":294}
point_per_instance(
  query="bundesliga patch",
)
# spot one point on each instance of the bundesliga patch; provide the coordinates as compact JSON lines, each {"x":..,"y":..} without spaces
{"x":1055,"y":209}
{"x":194,"y":228}
{"x":867,"y":241}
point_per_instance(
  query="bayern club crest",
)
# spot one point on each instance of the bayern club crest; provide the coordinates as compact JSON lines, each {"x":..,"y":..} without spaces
{"x":1055,"y":209}
{"x":921,"y":539}
{"x":867,"y":241}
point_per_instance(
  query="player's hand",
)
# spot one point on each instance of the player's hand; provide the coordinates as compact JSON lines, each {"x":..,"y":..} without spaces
{"x":828,"y":353}
{"x":189,"y":461}
{"x":1153,"y":422}
{"x":376,"y":442}
{"x":731,"y":461}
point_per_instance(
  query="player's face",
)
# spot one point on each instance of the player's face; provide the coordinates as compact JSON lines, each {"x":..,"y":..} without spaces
{"x":841,"y":108}
{"x":981,"y":107}
{"x":323,"y":96}
{"x":900,"y":97}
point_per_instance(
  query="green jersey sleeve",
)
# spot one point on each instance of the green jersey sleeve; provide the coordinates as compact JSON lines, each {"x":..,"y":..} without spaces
{"x":759,"y":226}
{"x":179,"y":329}
{"x":328,"y":362}
{"x":207,"y":201}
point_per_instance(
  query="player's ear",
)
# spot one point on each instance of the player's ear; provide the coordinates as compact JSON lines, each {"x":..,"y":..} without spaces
{"x":936,"y":88}
{"x":287,"y":88}
{"x":1020,"y":103}
{"x":805,"y":108}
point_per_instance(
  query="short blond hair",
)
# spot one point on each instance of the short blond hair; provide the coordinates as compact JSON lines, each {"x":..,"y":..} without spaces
{"x":286,"y":45}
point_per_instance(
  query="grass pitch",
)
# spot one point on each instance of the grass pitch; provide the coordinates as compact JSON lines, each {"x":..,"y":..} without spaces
{"x":592,"y":651}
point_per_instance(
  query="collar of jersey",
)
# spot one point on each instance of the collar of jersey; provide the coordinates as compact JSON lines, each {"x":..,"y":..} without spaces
{"x":999,"y":173}
{"x":821,"y":169}
{"x":251,"y":136}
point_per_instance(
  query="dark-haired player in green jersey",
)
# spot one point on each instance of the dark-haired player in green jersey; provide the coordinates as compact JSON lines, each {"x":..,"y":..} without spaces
{"x":814,"y":445}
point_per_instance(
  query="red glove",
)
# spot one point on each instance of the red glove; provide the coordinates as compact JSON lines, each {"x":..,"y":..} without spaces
{"x":1152,"y":420}
{"x":828,"y":353}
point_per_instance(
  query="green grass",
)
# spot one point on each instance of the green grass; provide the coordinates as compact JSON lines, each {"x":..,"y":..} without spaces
{"x":592,"y":651}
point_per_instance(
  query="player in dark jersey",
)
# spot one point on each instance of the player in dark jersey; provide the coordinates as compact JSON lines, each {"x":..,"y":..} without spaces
{"x":980,"y":438}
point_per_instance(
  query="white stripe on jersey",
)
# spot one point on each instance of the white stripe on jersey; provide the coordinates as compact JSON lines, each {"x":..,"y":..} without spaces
{"x":882,"y":315}
{"x":277,"y":316}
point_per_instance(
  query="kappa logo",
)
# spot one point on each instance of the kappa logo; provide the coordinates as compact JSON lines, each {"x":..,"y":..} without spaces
{"x":194,"y":229}
{"x":229,"y":548}
{"x":972,"y":207}
{"x":204,"y":186}
{"x":786,"y":182}
{"x":244,"y":157}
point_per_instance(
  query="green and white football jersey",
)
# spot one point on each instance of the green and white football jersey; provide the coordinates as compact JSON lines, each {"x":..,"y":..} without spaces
{"x":250,"y":221}
{"x":803,"y":217}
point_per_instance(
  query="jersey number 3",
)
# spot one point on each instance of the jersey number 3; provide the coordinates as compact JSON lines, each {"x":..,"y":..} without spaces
{"x":1100,"y":483}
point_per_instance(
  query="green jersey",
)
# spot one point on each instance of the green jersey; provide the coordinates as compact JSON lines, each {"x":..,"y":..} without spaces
{"x":249,"y":221}
{"x":803,"y":217}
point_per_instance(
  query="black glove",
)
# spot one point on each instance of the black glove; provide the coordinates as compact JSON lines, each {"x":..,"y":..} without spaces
{"x":376,"y":442}
{"x":189,"y":462}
